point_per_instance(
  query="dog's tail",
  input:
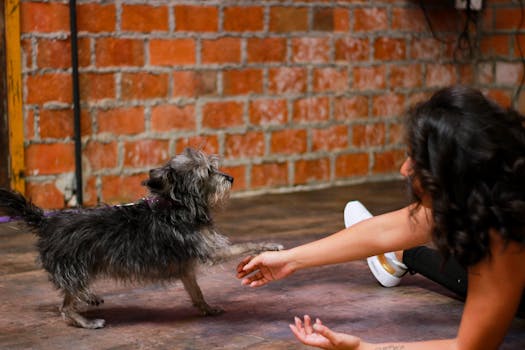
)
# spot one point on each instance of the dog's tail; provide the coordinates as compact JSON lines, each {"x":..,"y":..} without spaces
{"x":14,"y":205}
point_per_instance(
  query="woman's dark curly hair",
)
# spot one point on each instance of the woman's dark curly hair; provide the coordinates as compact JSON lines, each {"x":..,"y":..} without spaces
{"x":468,"y":154}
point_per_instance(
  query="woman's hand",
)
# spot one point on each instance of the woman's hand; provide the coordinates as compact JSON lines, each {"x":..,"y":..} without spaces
{"x":268,"y":266}
{"x":321,"y":336}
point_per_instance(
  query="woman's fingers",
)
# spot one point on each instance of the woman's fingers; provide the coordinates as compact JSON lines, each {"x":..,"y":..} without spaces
{"x":308,"y":325}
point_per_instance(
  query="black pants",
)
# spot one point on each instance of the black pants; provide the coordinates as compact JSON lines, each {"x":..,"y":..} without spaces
{"x":451,"y":275}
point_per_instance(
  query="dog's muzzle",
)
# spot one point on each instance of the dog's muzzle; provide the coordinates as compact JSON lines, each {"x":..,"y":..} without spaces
{"x":227,"y":177}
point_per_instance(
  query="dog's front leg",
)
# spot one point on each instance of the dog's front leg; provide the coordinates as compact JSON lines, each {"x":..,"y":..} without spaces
{"x":190,"y":284}
{"x":69,"y":312}
{"x":236,"y":250}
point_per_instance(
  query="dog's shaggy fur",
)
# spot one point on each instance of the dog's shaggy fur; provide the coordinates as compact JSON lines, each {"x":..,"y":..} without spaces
{"x":160,"y":238}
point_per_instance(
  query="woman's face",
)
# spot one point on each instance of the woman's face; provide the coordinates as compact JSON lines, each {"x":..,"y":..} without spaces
{"x":407,"y":170}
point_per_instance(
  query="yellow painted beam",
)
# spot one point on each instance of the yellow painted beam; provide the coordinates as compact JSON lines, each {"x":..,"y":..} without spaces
{"x":15,"y":115}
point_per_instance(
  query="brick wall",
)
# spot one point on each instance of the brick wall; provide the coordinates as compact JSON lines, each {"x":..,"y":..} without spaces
{"x":291,"y":95}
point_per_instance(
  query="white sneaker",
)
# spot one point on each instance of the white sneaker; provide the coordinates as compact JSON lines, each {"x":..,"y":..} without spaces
{"x":386,"y":268}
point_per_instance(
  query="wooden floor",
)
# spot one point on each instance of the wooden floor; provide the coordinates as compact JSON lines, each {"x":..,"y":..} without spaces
{"x":346,"y":297}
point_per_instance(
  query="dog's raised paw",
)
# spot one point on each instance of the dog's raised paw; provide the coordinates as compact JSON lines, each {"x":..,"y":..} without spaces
{"x":273,"y":246}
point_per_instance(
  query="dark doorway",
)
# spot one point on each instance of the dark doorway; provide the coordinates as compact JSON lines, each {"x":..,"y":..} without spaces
{"x":4,"y":132}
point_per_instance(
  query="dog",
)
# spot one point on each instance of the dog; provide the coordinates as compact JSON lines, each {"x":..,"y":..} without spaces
{"x":160,"y":238}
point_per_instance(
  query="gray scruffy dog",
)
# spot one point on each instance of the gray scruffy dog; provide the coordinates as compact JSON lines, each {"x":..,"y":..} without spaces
{"x":159,"y":238}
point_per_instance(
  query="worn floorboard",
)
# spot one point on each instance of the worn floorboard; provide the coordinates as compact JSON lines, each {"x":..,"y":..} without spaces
{"x":346,"y":297}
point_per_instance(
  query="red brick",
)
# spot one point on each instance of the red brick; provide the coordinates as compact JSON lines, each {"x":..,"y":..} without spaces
{"x":406,"y":76}
{"x":84,"y":52}
{"x":101,"y":155}
{"x":288,"y":142}
{"x":388,"y":161}
{"x":446,"y":19}
{"x":409,"y":19}
{"x":330,"y":79}
{"x":425,"y":49}
{"x":207,"y":143}
{"x":355,"y":107}
{"x":323,"y":19}
{"x":144,"y":85}
{"x":225,"y":114}
{"x":329,"y":139}
{"x":246,"y":145}
{"x":341,"y":20}
{"x":314,"y":170}
{"x":97,"y":86}
{"x":269,"y":175}
{"x":243,"y":18}
{"x":118,"y":121}
{"x":497,"y":45}
{"x":519,"y":42}
{"x":268,"y":112}
{"x":501,"y":96}
{"x":45,"y":195}
{"x":508,"y":19}
{"x":266,"y":50}
{"x":29,"y":125}
{"x":417,"y":97}
{"x":396,"y":134}
{"x":388,"y":105}
{"x":145,"y":152}
{"x":313,"y":109}
{"x":169,"y":52}
{"x":55,"y":53}
{"x":123,"y":189}
{"x":485,"y":73}
{"x":223,"y":50}
{"x":288,"y":19}
{"x":467,"y":74}
{"x":352,"y":49}
{"x":44,"y":17}
{"x":242,"y":82}
{"x":90,"y":192}
{"x":239,"y":175}
{"x":47,"y":159}
{"x":173,"y":118}
{"x":310,"y":50}
{"x":354,"y":164}
{"x":388,"y":49}
{"x":370,"y":19}
{"x":287,"y":80}
{"x":144,"y":18}
{"x":369,"y":135}
{"x":508,"y":73}
{"x":369,"y":78}
{"x":194,"y":83}
{"x":196,"y":18}
{"x":96,"y":18}
{"x":119,"y":52}
{"x":49,"y":87}
{"x":56,"y":123}
{"x":26,"y":48}
{"x":440,"y":75}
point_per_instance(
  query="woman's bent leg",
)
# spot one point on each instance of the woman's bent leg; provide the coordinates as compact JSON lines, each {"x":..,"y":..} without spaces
{"x":429,"y":263}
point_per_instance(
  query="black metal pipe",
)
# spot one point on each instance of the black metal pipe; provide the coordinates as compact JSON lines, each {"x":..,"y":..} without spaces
{"x":76,"y":101}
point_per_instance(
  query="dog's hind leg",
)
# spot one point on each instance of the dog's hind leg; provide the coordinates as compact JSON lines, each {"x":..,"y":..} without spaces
{"x":190,"y":284}
{"x":69,"y":312}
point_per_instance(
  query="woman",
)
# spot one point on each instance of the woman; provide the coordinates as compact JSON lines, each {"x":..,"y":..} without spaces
{"x":466,"y":171}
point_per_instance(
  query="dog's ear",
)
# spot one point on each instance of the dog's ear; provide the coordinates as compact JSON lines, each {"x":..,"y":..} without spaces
{"x":159,"y":181}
